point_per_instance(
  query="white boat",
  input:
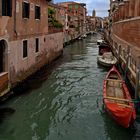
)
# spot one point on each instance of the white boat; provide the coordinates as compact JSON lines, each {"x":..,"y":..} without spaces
{"x":80,"y":38}
{"x":84,"y":36}
{"x":107,"y":59}
{"x":100,"y":41}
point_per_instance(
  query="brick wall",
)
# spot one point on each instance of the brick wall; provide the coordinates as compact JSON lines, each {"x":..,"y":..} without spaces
{"x":128,"y":30}
{"x":126,"y":10}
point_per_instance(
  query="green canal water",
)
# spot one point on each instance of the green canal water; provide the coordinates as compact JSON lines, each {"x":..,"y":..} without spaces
{"x":63,"y":101}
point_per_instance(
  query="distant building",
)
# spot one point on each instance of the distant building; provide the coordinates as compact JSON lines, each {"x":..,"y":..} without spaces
{"x":90,"y":23}
{"x":99,"y":22}
{"x":75,"y":18}
{"x":94,"y":14}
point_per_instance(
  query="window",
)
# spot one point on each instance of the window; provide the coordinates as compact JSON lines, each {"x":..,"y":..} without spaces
{"x":25,"y":9}
{"x":70,"y":6}
{"x":25,"y":53}
{"x":76,"y":6}
{"x":37,"y":12}
{"x":7,"y":8}
{"x":37,"y":45}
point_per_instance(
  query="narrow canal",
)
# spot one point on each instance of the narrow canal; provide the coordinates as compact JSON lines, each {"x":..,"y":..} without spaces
{"x":63,"y":101}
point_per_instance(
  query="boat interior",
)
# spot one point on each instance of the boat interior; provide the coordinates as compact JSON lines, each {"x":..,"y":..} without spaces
{"x":114,"y":76}
{"x":115,"y":90}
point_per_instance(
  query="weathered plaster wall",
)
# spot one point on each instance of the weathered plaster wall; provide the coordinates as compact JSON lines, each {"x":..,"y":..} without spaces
{"x":31,"y":26}
{"x":17,"y":27}
{"x":51,"y":46}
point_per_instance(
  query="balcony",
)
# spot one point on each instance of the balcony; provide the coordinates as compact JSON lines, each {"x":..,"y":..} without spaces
{"x":3,"y":82}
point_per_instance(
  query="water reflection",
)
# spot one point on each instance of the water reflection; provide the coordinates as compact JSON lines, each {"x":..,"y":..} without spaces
{"x":5,"y":112}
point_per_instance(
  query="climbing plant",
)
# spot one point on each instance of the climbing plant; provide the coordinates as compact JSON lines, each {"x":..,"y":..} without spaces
{"x":52,"y":20}
{"x":51,"y":13}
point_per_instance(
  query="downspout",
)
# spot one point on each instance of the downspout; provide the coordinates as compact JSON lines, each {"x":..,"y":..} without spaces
{"x":15,"y":31}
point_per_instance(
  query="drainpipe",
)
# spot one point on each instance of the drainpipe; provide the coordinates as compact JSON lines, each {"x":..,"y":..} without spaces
{"x":15,"y":18}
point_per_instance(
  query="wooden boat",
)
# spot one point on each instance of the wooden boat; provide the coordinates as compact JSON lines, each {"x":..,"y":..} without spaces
{"x":107,"y":59}
{"x":117,"y":99}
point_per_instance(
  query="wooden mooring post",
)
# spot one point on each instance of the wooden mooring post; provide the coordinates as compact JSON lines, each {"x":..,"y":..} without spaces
{"x":127,"y":62}
{"x":119,"y":53}
{"x":137,"y":77}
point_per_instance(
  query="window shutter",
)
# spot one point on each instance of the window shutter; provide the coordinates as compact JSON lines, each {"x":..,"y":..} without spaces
{"x":39,"y":12}
{"x":23,"y":10}
{"x":4,"y":7}
{"x":35,"y":12}
{"x":28,"y":13}
{"x":10,"y":7}
{"x":9,"y":10}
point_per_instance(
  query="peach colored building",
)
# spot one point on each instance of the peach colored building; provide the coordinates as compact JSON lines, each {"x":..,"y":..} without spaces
{"x":77,"y":15}
{"x":90,"y":23}
{"x":62,"y":15}
{"x":75,"y":18}
{"x":25,"y":44}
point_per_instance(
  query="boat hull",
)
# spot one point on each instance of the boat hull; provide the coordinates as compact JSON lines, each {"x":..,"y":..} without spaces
{"x":120,"y":114}
{"x":117,"y":99}
{"x":105,"y":62}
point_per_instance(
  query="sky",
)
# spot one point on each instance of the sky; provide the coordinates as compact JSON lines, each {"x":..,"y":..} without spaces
{"x":91,"y":5}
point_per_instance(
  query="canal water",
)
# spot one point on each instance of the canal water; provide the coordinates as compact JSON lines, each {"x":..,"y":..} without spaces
{"x":63,"y":101}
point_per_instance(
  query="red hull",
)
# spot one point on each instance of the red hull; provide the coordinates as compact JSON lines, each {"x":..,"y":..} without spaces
{"x":122,"y":113}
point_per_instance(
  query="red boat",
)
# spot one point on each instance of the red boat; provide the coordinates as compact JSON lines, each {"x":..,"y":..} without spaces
{"x":117,"y":99}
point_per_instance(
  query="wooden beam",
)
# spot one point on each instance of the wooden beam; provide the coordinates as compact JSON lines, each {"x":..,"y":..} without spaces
{"x":125,"y":105}
{"x":118,"y":99}
{"x":114,"y":80}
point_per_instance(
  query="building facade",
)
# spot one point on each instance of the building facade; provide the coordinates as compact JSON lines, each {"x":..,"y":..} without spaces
{"x":25,"y":44}
{"x":124,"y":35}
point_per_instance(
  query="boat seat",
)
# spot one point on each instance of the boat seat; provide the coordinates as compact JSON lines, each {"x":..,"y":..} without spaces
{"x":117,"y":84}
{"x":114,"y":80}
